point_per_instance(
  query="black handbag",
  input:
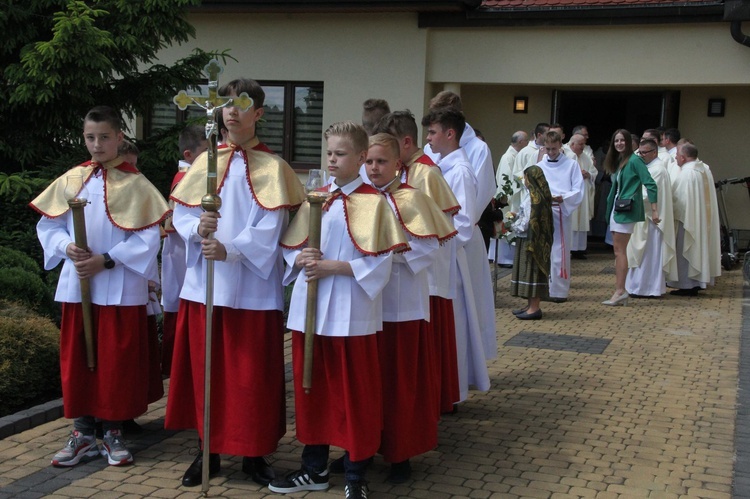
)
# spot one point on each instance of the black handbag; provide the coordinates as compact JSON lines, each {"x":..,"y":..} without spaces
{"x":623,"y":205}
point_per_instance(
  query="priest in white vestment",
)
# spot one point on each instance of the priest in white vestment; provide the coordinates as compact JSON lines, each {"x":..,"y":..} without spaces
{"x":500,"y":247}
{"x":580,"y":220}
{"x":566,"y":185}
{"x":691,"y":190}
{"x":651,"y":249}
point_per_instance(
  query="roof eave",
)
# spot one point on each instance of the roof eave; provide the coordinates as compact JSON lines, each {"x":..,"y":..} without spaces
{"x":335,"y":6}
{"x":577,"y":16}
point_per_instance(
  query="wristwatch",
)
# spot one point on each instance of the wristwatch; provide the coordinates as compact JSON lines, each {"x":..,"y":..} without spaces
{"x":108,"y":262}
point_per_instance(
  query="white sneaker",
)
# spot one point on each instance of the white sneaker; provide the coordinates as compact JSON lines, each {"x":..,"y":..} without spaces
{"x":114,"y":448}
{"x":78,"y":446}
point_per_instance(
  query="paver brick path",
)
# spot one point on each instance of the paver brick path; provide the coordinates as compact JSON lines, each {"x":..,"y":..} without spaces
{"x":591,"y":401}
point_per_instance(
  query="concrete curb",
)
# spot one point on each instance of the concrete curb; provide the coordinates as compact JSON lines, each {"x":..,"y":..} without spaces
{"x":30,"y":418}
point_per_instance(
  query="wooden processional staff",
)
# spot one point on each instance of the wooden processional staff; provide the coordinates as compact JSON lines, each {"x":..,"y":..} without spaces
{"x":316,"y":199}
{"x":212,"y":105}
{"x":77,"y":196}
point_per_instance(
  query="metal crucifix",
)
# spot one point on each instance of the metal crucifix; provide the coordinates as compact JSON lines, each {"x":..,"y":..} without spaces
{"x":212,"y":105}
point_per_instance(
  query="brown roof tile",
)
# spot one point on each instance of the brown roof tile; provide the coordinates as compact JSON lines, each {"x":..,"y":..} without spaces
{"x":561,"y":4}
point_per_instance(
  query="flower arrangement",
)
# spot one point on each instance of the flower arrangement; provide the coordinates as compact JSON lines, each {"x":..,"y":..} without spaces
{"x":506,"y":227}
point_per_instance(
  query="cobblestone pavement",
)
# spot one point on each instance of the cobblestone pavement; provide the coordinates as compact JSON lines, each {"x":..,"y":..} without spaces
{"x":592,"y":401}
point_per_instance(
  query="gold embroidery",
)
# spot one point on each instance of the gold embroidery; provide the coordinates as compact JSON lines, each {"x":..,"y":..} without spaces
{"x":132,"y":202}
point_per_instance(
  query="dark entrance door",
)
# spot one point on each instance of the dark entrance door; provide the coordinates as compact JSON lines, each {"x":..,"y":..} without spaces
{"x":604,"y":112}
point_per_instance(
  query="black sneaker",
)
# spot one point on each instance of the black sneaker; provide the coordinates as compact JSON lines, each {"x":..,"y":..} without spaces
{"x":356,"y":490}
{"x":301,"y":480}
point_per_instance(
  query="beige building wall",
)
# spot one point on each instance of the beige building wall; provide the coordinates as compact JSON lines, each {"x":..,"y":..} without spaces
{"x":356,"y":57}
{"x":388,"y":56}
{"x":589,"y":55}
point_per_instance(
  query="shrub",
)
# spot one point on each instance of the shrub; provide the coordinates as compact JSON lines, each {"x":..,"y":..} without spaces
{"x":29,"y":358}
{"x":13,"y":258}
{"x":28,"y":288}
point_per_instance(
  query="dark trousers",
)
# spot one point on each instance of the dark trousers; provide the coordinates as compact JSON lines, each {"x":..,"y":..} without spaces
{"x":315,"y":459}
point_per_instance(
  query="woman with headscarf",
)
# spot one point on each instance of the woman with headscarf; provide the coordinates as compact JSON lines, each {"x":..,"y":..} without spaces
{"x":534,"y":230}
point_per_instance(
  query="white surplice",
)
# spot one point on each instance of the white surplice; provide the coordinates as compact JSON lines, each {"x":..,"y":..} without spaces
{"x":406,"y":297}
{"x":473,"y":346}
{"x":250,"y":278}
{"x":443,"y":273}
{"x":132,"y":251}
{"x":564,"y":179}
{"x":173,"y":266}
{"x":346,"y":306}
{"x":650,"y":263}
{"x":505,"y":251}
{"x":505,"y":168}
{"x":526,"y":157}
{"x":480,"y":160}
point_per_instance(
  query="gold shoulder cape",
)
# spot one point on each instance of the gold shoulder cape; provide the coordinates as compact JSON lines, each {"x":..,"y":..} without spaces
{"x":419,"y":215}
{"x":372,"y":226}
{"x":272,"y":182}
{"x":428,"y":179}
{"x":132,"y":202}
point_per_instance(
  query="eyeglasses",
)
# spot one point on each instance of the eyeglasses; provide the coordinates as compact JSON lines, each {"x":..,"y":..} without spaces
{"x":647,"y":152}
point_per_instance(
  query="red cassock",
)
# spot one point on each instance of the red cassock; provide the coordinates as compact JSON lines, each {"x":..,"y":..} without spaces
{"x":410,"y":388}
{"x":169,"y":324}
{"x":155,"y":385}
{"x":441,"y":318}
{"x":344,"y":406}
{"x":247,"y":379}
{"x":117,"y":389}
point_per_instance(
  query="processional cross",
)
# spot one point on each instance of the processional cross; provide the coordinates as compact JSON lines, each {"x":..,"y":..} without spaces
{"x":212,"y":105}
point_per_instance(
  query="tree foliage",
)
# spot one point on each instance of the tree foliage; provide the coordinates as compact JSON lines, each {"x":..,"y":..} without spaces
{"x":59,"y":58}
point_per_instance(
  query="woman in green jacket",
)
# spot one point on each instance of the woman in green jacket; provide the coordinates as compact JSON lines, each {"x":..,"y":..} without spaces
{"x":629,"y":173}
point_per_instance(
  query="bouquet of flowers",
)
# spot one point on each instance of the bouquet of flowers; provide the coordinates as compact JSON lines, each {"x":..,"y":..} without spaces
{"x":506,"y":227}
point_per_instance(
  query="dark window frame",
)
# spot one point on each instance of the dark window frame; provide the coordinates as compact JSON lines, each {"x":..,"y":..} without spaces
{"x":287,"y":151}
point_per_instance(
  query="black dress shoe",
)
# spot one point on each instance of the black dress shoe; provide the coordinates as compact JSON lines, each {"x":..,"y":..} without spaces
{"x":557,"y":300}
{"x":193,"y":476}
{"x":685,"y":292}
{"x":530,"y":317}
{"x":519,"y":311}
{"x":259,"y":469}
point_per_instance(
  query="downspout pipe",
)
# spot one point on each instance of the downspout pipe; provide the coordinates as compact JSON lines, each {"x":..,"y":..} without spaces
{"x":735,"y":28}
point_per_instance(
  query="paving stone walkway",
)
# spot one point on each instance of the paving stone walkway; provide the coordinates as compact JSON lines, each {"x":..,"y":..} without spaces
{"x":592,"y":401}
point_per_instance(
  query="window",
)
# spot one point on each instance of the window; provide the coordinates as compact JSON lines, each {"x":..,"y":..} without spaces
{"x":292,"y":125}
{"x":167,"y":114}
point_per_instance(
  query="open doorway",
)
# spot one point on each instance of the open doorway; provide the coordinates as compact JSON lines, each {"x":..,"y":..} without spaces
{"x":603,"y":112}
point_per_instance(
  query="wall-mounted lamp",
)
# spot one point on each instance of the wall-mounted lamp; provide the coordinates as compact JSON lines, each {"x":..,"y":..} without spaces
{"x":520,"y":104}
{"x":716,"y":108}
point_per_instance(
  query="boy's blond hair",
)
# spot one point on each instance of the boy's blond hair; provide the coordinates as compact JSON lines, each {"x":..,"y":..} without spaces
{"x":352,"y":131}
{"x":386,"y":140}
{"x":446,"y":98}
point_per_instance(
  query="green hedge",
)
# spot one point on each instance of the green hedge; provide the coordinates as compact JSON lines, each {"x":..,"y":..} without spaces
{"x":29,"y":358}
{"x":21,"y":280}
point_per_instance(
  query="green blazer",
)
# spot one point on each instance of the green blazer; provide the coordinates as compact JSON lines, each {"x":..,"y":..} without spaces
{"x":630,"y":179}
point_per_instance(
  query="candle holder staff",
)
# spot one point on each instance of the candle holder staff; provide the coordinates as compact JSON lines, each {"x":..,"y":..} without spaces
{"x":113,"y":253}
